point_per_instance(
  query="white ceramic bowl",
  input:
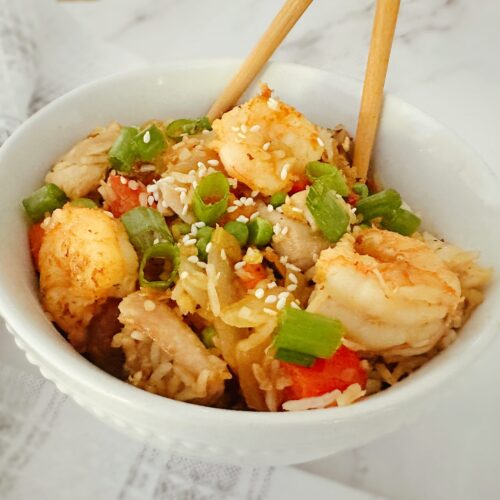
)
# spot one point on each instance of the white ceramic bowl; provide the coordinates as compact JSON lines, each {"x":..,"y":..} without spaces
{"x":456,"y":193}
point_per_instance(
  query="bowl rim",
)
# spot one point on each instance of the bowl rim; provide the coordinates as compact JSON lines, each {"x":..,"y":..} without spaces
{"x":92,"y":379}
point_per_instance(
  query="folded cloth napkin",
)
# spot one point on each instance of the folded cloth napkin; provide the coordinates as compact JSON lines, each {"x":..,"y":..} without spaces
{"x":49,"y":447}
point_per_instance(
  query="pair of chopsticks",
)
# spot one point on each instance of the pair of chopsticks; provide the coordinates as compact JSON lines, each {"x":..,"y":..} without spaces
{"x":386,"y":14}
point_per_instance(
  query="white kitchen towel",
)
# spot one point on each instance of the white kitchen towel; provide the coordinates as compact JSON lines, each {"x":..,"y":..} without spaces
{"x":49,"y":447}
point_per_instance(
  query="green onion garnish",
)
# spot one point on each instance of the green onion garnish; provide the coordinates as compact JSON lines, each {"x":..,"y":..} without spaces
{"x":210,"y":198}
{"x":178,"y":128}
{"x":401,"y":221}
{"x":277,"y":199}
{"x":361,"y":189}
{"x":297,"y":358}
{"x":308,"y":333}
{"x":149,"y":143}
{"x":327,"y":210}
{"x":260,"y":232}
{"x":204,"y":236}
{"x":169,"y":253}
{"x":329,"y":174}
{"x":207,"y":336}
{"x":84,"y":203}
{"x":43,"y":200}
{"x":379,"y":204}
{"x":239,"y":230}
{"x":145,"y":226}
{"x":123,"y":154}
{"x":180,"y":229}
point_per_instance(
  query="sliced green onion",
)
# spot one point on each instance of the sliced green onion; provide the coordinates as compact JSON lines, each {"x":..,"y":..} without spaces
{"x":212,"y":187}
{"x":43,"y":200}
{"x":84,"y":203}
{"x":204,"y":236}
{"x":207,"y":336}
{"x":327,"y":210}
{"x":239,"y":230}
{"x":149,"y":143}
{"x":178,"y":128}
{"x":277,"y":199}
{"x":123,"y":154}
{"x":180,"y":229}
{"x":297,"y":358}
{"x":260,"y":232}
{"x":361,"y":189}
{"x":308,"y":333}
{"x":379,"y":204}
{"x":145,"y":226}
{"x":166,"y":251}
{"x":401,"y":221}
{"x":329,"y":174}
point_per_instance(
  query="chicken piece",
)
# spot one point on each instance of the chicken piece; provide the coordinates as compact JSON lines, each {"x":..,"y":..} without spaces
{"x":81,"y":169}
{"x":164,"y":356}
{"x":393,"y":294}
{"x":300,"y":244}
{"x":85,"y":258}
{"x":266,"y":143}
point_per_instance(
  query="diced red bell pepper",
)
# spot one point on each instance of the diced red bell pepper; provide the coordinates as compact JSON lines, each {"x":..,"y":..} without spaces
{"x":125,"y":198}
{"x":35,"y":235}
{"x":325,"y":375}
{"x":299,"y":185}
{"x":353,"y":199}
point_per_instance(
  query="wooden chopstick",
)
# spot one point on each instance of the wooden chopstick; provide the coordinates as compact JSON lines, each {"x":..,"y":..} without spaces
{"x":384,"y":24}
{"x":284,"y":21}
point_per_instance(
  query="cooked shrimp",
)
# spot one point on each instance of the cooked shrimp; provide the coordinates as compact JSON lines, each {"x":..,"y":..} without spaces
{"x":393,"y":294}
{"x":163,"y":355}
{"x":85,"y":258}
{"x":266,"y":143}
{"x":82,"y":169}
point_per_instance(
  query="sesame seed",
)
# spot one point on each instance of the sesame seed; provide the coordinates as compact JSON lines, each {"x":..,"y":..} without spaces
{"x":147,"y":168}
{"x":184,"y":275}
{"x":133,"y":185}
{"x":237,"y":203}
{"x":259,"y":293}
{"x":217,"y":276}
{"x":143,"y":199}
{"x":180,"y":189}
{"x":293,"y":278}
{"x":123,"y":180}
{"x":208,"y":247}
{"x":297,"y":209}
{"x":272,"y":285}
{"x":291,"y":288}
{"x":320,"y":141}
{"x":255,"y":128}
{"x":184,"y":209}
{"x":200,"y":164}
{"x":151,"y":200}
{"x":266,"y":146}
{"x":223,"y":255}
{"x":284,"y":259}
{"x":193,"y":258}
{"x":249,"y":202}
{"x":235,"y":129}
{"x":109,"y":214}
{"x":244,"y":128}
{"x":294,"y":305}
{"x":293,"y":268}
{"x":156,"y":241}
{"x":182,"y":197}
{"x":213,"y":163}
{"x":280,"y":210}
{"x":242,"y":218}
{"x":230,"y":210}
{"x":272,"y":312}
{"x":254,"y":215}
{"x":156,"y":196}
{"x":147,"y":137}
{"x":284,"y":231}
{"x":203,"y":265}
{"x":277,"y":228}
{"x":283,"y":295}
{"x":254,"y":194}
{"x":239,"y":265}
{"x":205,"y":131}
{"x":273,"y":104}
{"x":149,"y":305}
{"x":136,"y":335}
{"x":270,"y":208}
{"x":190,"y":242}
{"x":241,"y":136}
{"x":199,"y":224}
{"x":281,"y":303}
{"x":284,"y":171}
{"x":271,"y":299}
{"x":195,"y":184}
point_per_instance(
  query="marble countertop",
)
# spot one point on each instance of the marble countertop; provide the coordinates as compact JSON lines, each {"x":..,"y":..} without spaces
{"x":445,"y":61}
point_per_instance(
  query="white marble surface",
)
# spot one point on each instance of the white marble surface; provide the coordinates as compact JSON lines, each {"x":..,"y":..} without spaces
{"x":446,"y":62}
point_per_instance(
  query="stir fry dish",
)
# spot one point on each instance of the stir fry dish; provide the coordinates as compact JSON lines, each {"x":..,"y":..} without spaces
{"x":240,"y":264}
